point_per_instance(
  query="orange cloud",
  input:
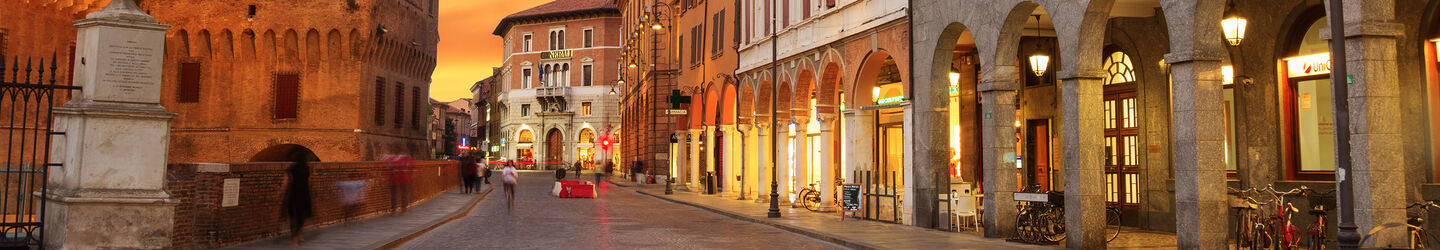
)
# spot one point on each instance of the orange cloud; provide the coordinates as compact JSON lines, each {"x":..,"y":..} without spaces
{"x":467,"y":50}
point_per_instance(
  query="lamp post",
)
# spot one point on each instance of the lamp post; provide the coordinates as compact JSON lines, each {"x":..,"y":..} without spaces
{"x":1349,"y":236}
{"x":655,"y":57}
{"x":774,"y":120}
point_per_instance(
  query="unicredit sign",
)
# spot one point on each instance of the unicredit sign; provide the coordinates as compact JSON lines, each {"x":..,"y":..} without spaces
{"x":1308,"y":65}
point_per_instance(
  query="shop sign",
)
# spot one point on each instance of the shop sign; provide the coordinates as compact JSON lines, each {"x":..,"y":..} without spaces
{"x":1309,"y":65}
{"x":850,"y":197}
{"x":556,"y":54}
{"x":889,"y":100}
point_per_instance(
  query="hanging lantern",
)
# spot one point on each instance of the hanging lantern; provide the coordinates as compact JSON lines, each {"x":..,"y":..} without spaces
{"x":954,"y":76}
{"x":1039,"y":63}
{"x":1234,"y":28}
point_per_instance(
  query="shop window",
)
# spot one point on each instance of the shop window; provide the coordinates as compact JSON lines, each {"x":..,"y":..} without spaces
{"x":1307,"y":100}
{"x":525,"y":137}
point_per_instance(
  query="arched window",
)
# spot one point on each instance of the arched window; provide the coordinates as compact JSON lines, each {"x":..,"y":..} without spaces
{"x":587,"y":136}
{"x":1309,"y":121}
{"x":1119,"y":68}
{"x":564,"y":75}
{"x":526,"y":137}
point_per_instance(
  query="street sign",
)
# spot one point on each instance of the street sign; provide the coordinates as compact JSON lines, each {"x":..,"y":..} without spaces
{"x":677,"y":111}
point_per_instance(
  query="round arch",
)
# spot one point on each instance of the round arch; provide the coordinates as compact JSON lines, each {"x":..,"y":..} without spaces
{"x":284,"y":153}
{"x":881,"y":74}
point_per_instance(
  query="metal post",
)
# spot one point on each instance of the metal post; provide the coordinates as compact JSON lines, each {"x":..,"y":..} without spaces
{"x":1349,"y":237}
{"x":774,"y":120}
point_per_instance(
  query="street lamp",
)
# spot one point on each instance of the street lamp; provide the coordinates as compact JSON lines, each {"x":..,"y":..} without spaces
{"x":1039,"y":61}
{"x":1234,"y":27}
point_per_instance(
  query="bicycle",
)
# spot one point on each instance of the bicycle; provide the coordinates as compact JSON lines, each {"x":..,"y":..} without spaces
{"x":1319,"y":203}
{"x":1112,"y":223}
{"x":1250,"y":230}
{"x":810,"y":198}
{"x":1284,"y":233}
{"x":1415,"y":226}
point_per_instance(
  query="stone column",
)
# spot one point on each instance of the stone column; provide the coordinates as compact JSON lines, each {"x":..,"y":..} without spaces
{"x":744,"y":164}
{"x":681,"y":162}
{"x":782,"y":161}
{"x":110,"y":190}
{"x":709,"y":154}
{"x":1198,"y":151}
{"x":827,"y":162}
{"x":1083,"y":137}
{"x":998,"y":139}
{"x":762,"y":162}
{"x":1375,"y":123}
{"x":801,"y":165}
{"x":917,"y":190}
{"x":692,"y":141}
{"x":732,"y":187}
{"x":861,"y":138}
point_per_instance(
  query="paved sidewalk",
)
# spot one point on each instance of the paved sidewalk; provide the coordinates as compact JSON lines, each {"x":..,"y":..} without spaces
{"x":378,"y":232}
{"x":858,"y":234}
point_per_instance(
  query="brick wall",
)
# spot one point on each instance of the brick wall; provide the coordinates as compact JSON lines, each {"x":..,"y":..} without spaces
{"x":201,"y":221}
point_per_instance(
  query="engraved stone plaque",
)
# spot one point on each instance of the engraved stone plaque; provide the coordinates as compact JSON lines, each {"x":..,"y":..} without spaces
{"x":230,"y":194}
{"x":120,"y":64}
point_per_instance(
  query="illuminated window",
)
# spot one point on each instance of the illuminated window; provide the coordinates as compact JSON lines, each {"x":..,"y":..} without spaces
{"x":585,"y":108}
{"x":525,"y":137}
{"x":1119,"y":67}
{"x":587,"y":136}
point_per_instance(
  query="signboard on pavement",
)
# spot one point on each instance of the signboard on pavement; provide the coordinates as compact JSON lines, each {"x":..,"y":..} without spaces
{"x":850,"y":197}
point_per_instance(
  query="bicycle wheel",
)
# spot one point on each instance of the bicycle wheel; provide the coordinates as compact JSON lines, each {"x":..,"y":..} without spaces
{"x":1053,"y":226}
{"x":1112,"y":224}
{"x":811,"y":201}
{"x":1022,"y":227}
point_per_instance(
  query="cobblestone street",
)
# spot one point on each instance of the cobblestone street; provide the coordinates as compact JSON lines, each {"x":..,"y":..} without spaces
{"x":619,"y":219}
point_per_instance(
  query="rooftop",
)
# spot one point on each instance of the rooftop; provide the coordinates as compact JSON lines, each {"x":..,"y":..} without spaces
{"x":557,"y":8}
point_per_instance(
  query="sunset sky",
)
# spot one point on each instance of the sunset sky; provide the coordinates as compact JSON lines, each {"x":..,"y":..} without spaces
{"x":467,"y":49}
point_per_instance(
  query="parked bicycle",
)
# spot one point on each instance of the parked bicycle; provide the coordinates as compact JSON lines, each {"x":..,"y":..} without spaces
{"x":1045,"y":221}
{"x":1112,"y":223}
{"x":1319,"y":205}
{"x":810,"y":198}
{"x":1284,"y":233}
{"x":1414,"y":223}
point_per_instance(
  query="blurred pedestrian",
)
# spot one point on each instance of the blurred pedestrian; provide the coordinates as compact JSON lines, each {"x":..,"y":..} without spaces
{"x":511,"y":177}
{"x":351,"y":193}
{"x":559,"y":174}
{"x":467,"y":174}
{"x":400,"y":170}
{"x":577,"y":169}
{"x":485,"y":175}
{"x":298,"y":206}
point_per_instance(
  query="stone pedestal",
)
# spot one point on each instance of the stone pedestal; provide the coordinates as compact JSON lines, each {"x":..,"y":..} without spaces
{"x":110,"y":191}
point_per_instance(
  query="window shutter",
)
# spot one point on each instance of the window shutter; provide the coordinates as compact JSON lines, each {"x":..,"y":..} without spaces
{"x":379,"y":102}
{"x":829,"y":3}
{"x":189,"y":82}
{"x":416,"y":98}
{"x":287,"y":96}
{"x":805,"y":9}
{"x":399,"y":104}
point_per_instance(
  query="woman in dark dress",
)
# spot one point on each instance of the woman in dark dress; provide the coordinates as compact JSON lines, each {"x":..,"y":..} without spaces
{"x":298,"y":205}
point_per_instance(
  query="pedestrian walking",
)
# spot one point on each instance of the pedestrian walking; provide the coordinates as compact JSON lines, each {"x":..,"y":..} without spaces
{"x":577,"y":169}
{"x":511,"y":178}
{"x":297,"y":205}
{"x":485,"y":175}
{"x":400,"y":170}
{"x":351,"y":193}
{"x":559,"y":174}
{"x":468,"y":174}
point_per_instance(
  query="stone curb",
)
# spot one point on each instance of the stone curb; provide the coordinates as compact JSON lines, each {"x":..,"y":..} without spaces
{"x":394,"y":242}
{"x":793,"y":229}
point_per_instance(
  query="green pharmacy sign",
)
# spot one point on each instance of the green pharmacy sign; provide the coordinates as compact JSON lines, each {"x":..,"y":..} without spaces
{"x":889,"y":100}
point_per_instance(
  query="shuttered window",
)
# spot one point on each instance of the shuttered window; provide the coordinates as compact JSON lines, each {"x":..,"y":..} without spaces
{"x":379,"y":101}
{"x":287,"y":96}
{"x":399,"y":104}
{"x":415,"y":105}
{"x":189,"y":82}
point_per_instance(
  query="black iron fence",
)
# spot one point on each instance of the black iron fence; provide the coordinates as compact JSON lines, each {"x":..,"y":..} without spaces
{"x":28,"y":93}
{"x":881,"y":200}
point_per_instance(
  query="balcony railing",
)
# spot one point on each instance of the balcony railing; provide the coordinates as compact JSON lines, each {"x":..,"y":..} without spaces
{"x":552,"y":91}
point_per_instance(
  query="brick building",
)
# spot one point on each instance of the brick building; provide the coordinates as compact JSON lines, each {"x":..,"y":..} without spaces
{"x":556,"y":90}
{"x":251,"y":80}
{"x":486,"y":132}
{"x":449,"y":127}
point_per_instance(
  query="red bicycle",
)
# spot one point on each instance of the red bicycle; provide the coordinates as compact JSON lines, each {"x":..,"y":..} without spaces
{"x":1319,"y":205}
{"x":1287,"y":235}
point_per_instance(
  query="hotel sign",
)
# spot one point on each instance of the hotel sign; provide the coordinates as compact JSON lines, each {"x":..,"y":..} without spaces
{"x":1308,"y":65}
{"x":556,"y":54}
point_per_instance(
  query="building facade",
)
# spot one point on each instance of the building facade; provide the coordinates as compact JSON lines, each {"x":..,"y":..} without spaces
{"x":556,"y":89}
{"x":350,"y":84}
{"x":449,"y":128}
{"x":1147,"y":106}
{"x":485,"y":128}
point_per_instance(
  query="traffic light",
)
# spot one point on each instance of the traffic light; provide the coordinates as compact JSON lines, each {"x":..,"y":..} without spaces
{"x":605,"y":144}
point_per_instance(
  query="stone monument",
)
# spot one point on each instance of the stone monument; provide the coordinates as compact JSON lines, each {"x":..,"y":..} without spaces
{"x":109,"y":192}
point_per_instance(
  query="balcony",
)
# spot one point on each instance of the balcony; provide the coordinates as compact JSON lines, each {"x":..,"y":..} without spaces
{"x":552,"y":99}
